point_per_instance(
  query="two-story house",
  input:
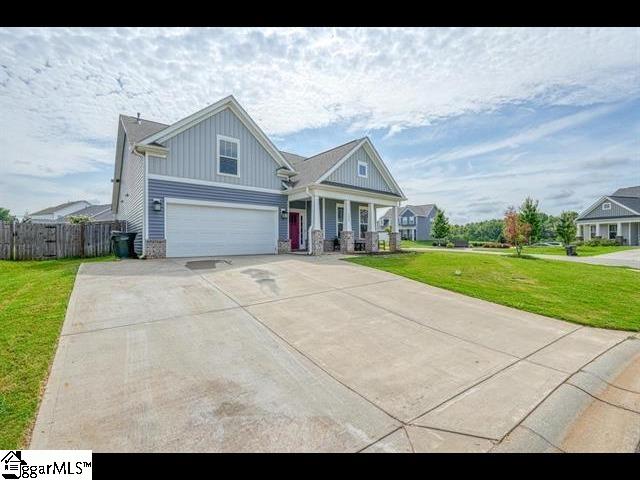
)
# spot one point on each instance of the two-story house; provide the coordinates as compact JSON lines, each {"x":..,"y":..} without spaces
{"x":414,"y":221}
{"x":615,"y":216}
{"x":214,"y":184}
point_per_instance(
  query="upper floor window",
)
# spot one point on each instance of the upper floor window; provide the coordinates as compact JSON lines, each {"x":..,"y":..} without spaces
{"x":606,"y":206}
{"x":363,"y":169}
{"x":228,"y":156}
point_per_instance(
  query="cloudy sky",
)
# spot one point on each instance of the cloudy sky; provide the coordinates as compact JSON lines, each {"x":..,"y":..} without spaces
{"x":471,"y":119}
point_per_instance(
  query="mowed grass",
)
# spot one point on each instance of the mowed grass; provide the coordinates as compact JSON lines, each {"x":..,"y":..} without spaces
{"x":33,"y":302}
{"x":592,"y":295}
{"x":582,"y":250}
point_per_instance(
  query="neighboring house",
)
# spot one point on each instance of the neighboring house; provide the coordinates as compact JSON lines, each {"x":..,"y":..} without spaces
{"x":414,"y":221}
{"x":612,"y":216}
{"x":214,"y":184}
{"x":96,"y":213}
{"x":58,"y":213}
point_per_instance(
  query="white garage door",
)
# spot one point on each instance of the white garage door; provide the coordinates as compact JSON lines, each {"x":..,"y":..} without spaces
{"x":213,"y":230}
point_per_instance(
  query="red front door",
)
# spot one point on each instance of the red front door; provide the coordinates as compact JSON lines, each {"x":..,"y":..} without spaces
{"x":294,"y":230}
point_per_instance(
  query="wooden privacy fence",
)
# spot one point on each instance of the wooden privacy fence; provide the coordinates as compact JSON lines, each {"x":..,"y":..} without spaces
{"x":43,"y":241}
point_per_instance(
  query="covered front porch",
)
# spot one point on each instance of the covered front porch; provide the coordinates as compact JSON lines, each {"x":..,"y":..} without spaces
{"x":626,"y":232}
{"x":326,"y":219}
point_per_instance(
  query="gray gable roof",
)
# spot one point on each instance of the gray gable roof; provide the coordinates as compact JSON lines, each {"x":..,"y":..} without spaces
{"x":48,"y":210}
{"x":309,"y":170}
{"x":627,"y":192}
{"x":292,"y":158}
{"x":137,"y":131}
{"x":94,"y":211}
{"x":419,"y":210}
{"x":630,"y":202}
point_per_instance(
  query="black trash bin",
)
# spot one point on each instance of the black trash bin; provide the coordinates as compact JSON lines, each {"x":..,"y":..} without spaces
{"x":571,"y":250}
{"x":122,"y":244}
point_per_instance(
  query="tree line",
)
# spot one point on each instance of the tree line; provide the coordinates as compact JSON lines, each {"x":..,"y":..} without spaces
{"x":531,"y":224}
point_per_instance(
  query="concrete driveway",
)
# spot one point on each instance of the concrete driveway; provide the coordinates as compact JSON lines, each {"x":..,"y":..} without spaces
{"x":292,"y":353}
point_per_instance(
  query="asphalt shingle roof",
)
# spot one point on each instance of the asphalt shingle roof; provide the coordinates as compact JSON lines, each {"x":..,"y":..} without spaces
{"x":48,"y":210}
{"x":139,"y":131}
{"x":630,"y":202}
{"x":627,"y":192}
{"x":314,"y":167}
{"x":95,"y":211}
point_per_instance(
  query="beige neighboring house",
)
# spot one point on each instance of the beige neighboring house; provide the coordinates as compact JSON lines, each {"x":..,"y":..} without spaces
{"x":61,"y":213}
{"x":615,"y":216}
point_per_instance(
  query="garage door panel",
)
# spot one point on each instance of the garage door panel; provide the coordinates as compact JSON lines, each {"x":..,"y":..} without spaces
{"x":203,"y":230}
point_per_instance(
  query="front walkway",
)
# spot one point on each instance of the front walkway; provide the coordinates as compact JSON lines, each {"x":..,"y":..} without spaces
{"x":293,"y":353}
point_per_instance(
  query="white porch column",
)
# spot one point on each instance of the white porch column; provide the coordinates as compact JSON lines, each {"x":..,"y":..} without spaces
{"x":394,"y":236}
{"x":347,"y":216}
{"x":315,"y":211}
{"x":372,"y":217}
{"x":394,"y":219}
{"x":316,"y":242}
{"x":346,"y":238}
{"x":371,"y":236}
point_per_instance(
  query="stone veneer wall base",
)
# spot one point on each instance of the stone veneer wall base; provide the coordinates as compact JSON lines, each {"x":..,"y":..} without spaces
{"x":317,"y":242}
{"x":156,"y":249}
{"x":394,"y":242}
{"x":284,"y":246}
{"x":346,"y":242}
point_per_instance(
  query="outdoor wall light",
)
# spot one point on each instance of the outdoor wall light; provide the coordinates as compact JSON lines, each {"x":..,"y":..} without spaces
{"x":283,"y":213}
{"x":157,"y":204}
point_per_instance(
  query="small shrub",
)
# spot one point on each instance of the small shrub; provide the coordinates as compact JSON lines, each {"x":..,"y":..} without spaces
{"x":495,"y":245}
{"x":450,"y":245}
{"x":600,"y":242}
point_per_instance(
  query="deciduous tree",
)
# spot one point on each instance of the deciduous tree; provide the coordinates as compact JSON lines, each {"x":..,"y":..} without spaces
{"x":566,"y":227}
{"x":530,"y":214}
{"x":515,"y":230}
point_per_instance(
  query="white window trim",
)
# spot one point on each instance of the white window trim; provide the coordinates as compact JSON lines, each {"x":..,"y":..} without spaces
{"x":366,"y":165}
{"x":338,"y":205}
{"x":606,"y":206}
{"x":360,"y":208}
{"x":227,"y":139}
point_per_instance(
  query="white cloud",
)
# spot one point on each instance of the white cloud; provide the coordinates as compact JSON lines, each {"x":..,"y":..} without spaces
{"x":61,"y":89}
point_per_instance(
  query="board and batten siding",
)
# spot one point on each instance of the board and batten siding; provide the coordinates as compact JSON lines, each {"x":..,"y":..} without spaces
{"x":193,"y":154}
{"x":616,"y":211}
{"x":159,"y":189}
{"x":347,"y":173}
{"x":132,"y":195}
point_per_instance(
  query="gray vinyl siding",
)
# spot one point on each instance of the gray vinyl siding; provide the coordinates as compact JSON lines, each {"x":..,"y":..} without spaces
{"x":347,"y":174}
{"x":615,"y":212}
{"x":132,"y":195}
{"x":331,"y":228}
{"x":163,"y":188}
{"x":192,"y":154}
{"x":423,"y":228}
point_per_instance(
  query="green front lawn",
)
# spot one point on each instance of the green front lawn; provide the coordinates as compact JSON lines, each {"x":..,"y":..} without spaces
{"x":587,"y":294}
{"x":583,"y":250}
{"x":415,"y":243}
{"x":33,"y":302}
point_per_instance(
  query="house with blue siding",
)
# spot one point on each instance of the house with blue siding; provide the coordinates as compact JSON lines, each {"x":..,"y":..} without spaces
{"x":214,"y":184}
{"x":613,"y":217}
{"x":414,"y":221}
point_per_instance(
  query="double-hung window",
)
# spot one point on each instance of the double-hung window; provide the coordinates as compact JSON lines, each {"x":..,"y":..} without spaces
{"x":364,"y":221}
{"x":339,"y":219}
{"x":363,"y":169}
{"x":228,"y":156}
